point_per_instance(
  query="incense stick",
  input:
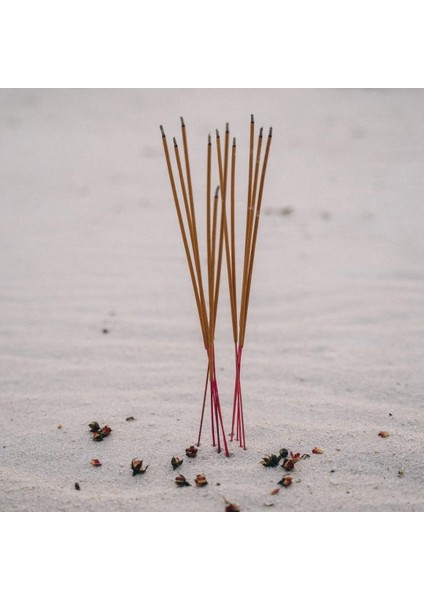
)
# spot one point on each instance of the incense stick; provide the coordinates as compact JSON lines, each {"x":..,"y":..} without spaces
{"x":193,"y":260}
{"x":254,"y":202}
{"x":218,"y":237}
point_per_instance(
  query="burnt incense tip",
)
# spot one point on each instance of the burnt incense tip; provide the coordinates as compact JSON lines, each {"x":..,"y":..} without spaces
{"x":252,"y":119}
{"x":261,"y":130}
{"x":270,"y":132}
{"x":227,"y":128}
{"x":234,"y":141}
{"x":209,"y":140}
{"x":162,"y":131}
{"x":182,"y":122}
{"x":175,"y":142}
{"x":217,"y":192}
{"x":217,"y":133}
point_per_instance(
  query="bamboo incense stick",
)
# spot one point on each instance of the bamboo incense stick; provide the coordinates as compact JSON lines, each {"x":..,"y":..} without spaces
{"x":193,"y":219}
{"x":233,"y":243}
{"x":184,"y":237}
{"x":221,"y":234}
{"x":214,"y":260}
{"x":254,"y":202}
{"x":255,"y":232}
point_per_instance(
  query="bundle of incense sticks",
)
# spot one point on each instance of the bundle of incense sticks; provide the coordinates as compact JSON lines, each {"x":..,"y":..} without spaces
{"x":215,"y":237}
{"x":256,"y":180}
{"x":216,"y":240}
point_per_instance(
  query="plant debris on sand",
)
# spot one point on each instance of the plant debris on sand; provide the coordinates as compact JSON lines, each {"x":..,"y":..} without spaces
{"x":176,"y":462}
{"x":137,"y":467}
{"x":273,"y":460}
{"x":99,"y":433}
{"x":181,"y":481}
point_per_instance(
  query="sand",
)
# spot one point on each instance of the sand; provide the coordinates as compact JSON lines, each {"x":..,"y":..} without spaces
{"x":334,"y":349}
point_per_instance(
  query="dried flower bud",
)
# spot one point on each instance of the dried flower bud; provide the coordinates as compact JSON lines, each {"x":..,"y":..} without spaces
{"x":283,"y":453}
{"x":231,"y":506}
{"x":137,"y":466}
{"x":276,"y":491}
{"x":176,"y":462}
{"x":77,"y":486}
{"x":97,"y":436}
{"x":270,"y":460}
{"x":181,"y":481}
{"x":201,"y":481}
{"x":130,"y":419}
{"x":286,"y":481}
{"x":105,"y":430}
{"x":94,"y":426}
{"x":95,"y":462}
{"x":317,"y":451}
{"x":288,"y":464}
{"x":384,"y":434}
{"x":191,"y":452}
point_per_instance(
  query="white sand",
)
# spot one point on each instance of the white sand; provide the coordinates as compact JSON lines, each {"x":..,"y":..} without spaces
{"x":89,"y":240}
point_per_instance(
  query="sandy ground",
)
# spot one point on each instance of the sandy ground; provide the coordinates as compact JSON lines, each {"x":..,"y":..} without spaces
{"x":334,"y":352}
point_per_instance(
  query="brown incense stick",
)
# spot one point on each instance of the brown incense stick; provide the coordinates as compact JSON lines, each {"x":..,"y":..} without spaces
{"x":255,"y":232}
{"x":233,"y":243}
{"x":224,"y":229}
{"x":248,"y":253}
{"x":184,"y":237}
{"x":193,"y":221}
{"x":214,"y":256}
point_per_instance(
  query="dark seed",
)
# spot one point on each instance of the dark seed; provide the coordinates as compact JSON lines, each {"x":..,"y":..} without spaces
{"x":77,"y":486}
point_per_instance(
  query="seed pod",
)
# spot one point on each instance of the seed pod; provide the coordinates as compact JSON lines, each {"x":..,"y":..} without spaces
{"x":270,"y":460}
{"x":231,"y":506}
{"x":94,"y":426}
{"x":317,"y":451}
{"x":137,"y":466}
{"x":288,"y":464}
{"x":105,"y":430}
{"x":201,"y":481}
{"x":384,"y":434}
{"x":286,"y":481}
{"x":95,"y":462}
{"x":181,"y":481}
{"x":176,"y":462}
{"x":191,"y":452}
{"x":283,"y":453}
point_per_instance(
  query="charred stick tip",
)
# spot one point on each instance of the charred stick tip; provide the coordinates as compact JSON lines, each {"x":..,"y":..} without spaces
{"x":252,"y":120}
{"x":182,"y":122}
{"x":261,"y":131}
{"x":217,"y":133}
{"x":270,"y":132}
{"x":217,"y":192}
{"x":209,"y":140}
{"x":162,"y":131}
{"x":227,"y":128}
{"x":175,"y":142}
{"x":234,"y":141}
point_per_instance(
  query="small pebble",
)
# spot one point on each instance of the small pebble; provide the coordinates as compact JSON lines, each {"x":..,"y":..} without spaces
{"x":77,"y":486}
